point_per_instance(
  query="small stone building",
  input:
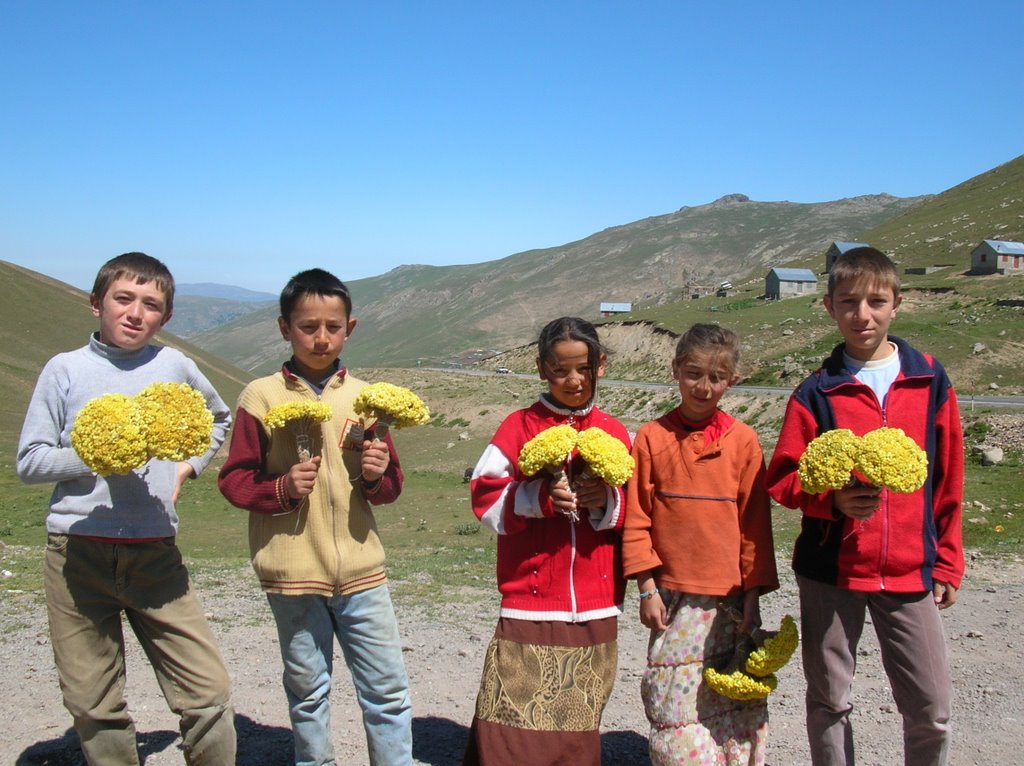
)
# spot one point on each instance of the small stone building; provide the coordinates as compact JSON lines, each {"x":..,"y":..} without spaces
{"x":994,"y":256}
{"x":789,"y":283}
{"x":836,"y":249}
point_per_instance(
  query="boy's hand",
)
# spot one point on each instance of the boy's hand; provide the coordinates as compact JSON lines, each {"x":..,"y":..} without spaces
{"x":944,"y":594}
{"x":562,"y":497}
{"x":302,"y":477}
{"x":185,"y":473}
{"x":857,"y":502}
{"x":591,"y":493}
{"x":375,"y":460}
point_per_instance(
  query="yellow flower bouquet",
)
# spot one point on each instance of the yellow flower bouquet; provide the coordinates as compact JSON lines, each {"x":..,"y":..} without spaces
{"x":606,"y":457}
{"x":299,"y":417}
{"x":116,"y":433}
{"x":750,"y":674}
{"x":177,"y":423}
{"x":549,"y":449}
{"x":775,"y":651}
{"x":390,"y":405}
{"x":828,"y":461}
{"x":884,"y":457}
{"x":738,"y":685}
{"x":108,"y":435}
{"x":890,"y":458}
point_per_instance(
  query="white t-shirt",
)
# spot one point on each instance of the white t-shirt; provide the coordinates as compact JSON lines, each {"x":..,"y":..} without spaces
{"x":877,"y":374}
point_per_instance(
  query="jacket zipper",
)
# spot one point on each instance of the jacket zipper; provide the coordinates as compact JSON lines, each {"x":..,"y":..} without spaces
{"x":572,"y":570}
{"x":883,"y":554}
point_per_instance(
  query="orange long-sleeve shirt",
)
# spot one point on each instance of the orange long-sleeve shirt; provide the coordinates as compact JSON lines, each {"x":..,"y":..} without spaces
{"x":697,"y":511}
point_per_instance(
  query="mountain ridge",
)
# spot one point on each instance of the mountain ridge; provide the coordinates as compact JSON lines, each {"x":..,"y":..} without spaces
{"x":434,"y":314}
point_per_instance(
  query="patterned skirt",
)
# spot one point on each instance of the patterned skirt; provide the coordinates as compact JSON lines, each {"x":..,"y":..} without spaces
{"x":542,"y":692}
{"x":691,"y":723}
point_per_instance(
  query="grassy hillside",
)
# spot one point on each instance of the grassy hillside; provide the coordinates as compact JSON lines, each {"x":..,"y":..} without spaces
{"x":427,"y":314}
{"x":971,"y":323}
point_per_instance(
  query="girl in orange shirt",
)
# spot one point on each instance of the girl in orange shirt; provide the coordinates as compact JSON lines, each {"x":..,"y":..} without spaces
{"x":697,"y":538}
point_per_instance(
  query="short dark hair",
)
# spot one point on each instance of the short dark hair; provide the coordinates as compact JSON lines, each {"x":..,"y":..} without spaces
{"x":143,"y":268}
{"x":313,"y":282}
{"x":864,"y":263}
{"x":711,"y":339}
{"x":572,"y":328}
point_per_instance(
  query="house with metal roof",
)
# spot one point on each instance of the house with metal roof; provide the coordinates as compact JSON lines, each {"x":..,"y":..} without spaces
{"x":608,"y":309}
{"x":836,"y":249}
{"x":789,"y":283}
{"x":994,"y":256}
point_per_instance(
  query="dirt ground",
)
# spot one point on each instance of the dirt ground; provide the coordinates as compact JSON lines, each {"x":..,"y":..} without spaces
{"x":444,"y":653}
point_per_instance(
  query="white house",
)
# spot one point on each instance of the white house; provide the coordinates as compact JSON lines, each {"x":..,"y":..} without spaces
{"x":994,"y":256}
{"x":607,"y":309}
{"x":836,"y":249}
{"x":789,"y":283}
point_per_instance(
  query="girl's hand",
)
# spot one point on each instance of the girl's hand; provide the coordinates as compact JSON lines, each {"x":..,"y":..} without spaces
{"x":653,"y":613}
{"x":562,"y":498}
{"x":375,"y":460}
{"x":751,"y":611}
{"x":301,"y":478}
{"x":591,"y":493}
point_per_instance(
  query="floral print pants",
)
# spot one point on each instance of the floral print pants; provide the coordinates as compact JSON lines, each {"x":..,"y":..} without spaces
{"x":690,"y":723}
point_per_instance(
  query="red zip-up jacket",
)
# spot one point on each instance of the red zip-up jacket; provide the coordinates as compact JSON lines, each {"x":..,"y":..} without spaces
{"x":913,"y":539}
{"x":549,"y":568}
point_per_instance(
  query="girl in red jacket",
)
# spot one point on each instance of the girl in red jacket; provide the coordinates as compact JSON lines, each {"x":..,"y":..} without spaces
{"x":698,"y":533}
{"x":549,"y":669}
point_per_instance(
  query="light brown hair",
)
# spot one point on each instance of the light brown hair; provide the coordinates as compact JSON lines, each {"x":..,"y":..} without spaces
{"x":864,"y":263}
{"x":718,"y":343}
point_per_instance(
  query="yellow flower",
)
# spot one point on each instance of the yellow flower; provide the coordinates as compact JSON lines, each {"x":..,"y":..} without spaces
{"x":108,"y":435}
{"x":303,"y":412}
{"x":391,"y":405}
{"x":775,"y":651}
{"x":827,"y":461}
{"x":997,"y":528}
{"x":176,"y":421}
{"x":551,"y":447}
{"x":606,"y":457}
{"x":890,"y":458}
{"x":739,"y":686}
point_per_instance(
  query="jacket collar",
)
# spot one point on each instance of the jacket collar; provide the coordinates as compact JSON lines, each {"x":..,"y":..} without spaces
{"x":292,"y":377}
{"x":550,"y":404}
{"x":913,"y":364}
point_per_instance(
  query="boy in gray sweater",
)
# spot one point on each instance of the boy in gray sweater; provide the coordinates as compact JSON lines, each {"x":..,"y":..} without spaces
{"x":111,"y":539}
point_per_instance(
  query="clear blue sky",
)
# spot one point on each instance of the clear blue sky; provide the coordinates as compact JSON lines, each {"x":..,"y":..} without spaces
{"x":241,"y":142}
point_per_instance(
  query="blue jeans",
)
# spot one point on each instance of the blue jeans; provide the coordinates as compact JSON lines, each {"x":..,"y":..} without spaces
{"x":367,"y":631}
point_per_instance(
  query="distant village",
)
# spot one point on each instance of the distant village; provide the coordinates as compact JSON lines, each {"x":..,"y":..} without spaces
{"x":991,"y":256}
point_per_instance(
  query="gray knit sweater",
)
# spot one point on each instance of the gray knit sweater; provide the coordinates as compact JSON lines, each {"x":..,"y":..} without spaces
{"x":137,"y":505}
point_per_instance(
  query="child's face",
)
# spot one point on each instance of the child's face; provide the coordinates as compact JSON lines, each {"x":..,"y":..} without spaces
{"x":863,"y":310}
{"x":130,"y":313}
{"x":317,"y":330}
{"x":568,"y":375}
{"x":703,"y":377}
